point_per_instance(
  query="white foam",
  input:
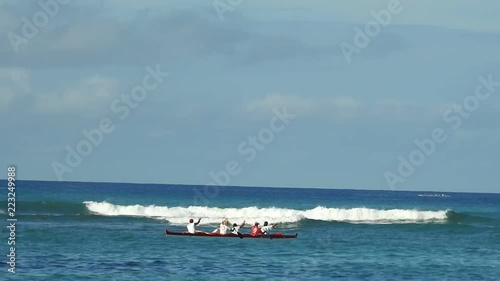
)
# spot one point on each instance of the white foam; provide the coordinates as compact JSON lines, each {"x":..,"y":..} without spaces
{"x":212,"y":215}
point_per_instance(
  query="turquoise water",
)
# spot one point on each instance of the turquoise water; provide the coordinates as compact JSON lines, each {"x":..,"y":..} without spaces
{"x":97,"y":231}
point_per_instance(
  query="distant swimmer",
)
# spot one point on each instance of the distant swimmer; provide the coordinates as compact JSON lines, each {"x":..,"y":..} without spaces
{"x":433,"y":195}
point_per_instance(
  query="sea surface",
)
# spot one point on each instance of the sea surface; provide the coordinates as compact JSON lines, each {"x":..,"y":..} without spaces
{"x":116,"y":231}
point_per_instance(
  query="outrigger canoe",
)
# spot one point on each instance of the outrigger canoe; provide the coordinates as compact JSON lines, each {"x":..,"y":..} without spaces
{"x":277,"y":235}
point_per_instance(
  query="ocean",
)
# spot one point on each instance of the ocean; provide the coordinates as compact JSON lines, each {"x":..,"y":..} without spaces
{"x":116,"y":231}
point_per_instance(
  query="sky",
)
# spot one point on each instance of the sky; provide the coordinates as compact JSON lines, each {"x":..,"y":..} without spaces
{"x":385,"y":95}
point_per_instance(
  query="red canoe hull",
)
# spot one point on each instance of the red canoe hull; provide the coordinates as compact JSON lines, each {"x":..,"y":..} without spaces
{"x":205,"y":234}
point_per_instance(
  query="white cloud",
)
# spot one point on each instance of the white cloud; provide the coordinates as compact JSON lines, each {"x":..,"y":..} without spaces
{"x":345,"y":108}
{"x":295,"y":103}
{"x":333,"y":108}
{"x":87,"y":36}
{"x":344,"y":102}
{"x":91,"y":95}
{"x":15,"y":76}
{"x":339,"y":108}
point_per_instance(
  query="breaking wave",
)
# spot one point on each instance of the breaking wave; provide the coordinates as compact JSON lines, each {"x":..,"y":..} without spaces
{"x":213,"y":215}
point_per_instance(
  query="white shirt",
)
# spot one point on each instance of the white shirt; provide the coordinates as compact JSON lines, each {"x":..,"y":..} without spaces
{"x":236,"y":229}
{"x":266,"y":228}
{"x":191,"y":228}
{"x":223,"y":229}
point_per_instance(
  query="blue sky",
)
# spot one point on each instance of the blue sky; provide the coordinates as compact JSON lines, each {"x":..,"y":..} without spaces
{"x":353,"y":119}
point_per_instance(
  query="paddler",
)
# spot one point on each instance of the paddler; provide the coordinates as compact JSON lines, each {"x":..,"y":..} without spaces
{"x":223,"y":227}
{"x":236,"y":229}
{"x":256,"y":229}
{"x":191,"y":227}
{"x":266,"y":228}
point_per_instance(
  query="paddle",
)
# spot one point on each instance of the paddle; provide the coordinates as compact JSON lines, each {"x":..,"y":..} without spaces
{"x":269,"y":235}
{"x":237,"y":232}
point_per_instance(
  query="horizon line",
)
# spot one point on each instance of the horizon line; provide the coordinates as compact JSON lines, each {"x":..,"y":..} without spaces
{"x":294,"y":187}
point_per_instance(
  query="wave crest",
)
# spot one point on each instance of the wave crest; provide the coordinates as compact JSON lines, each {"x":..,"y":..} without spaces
{"x":213,"y":215}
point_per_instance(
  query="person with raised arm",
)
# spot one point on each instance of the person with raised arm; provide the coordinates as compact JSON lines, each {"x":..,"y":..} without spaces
{"x":191,"y":227}
{"x":236,"y":229}
{"x":266,"y":228}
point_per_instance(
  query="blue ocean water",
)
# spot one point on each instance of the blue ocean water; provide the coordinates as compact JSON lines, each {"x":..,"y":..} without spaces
{"x":115,"y":231}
